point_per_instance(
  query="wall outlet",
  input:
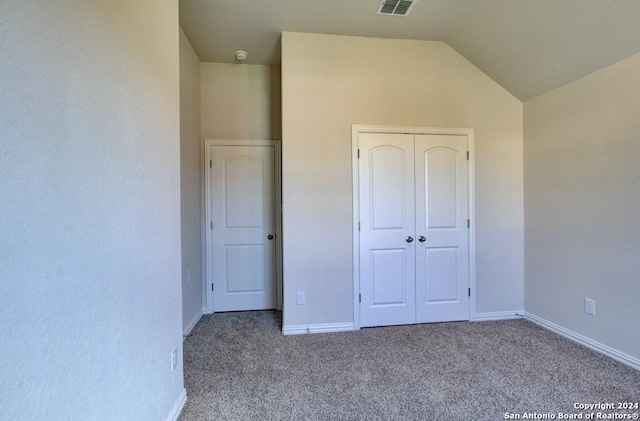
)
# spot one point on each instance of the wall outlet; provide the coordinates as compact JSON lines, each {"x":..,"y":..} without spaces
{"x":174,"y":359}
{"x":301,"y":299}
{"x":590,"y":306}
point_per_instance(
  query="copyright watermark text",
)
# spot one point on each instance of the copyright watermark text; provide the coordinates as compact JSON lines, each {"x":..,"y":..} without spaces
{"x":584,"y":411}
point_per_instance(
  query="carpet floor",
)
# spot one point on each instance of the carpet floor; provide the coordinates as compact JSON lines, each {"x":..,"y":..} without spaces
{"x":239,"y":366}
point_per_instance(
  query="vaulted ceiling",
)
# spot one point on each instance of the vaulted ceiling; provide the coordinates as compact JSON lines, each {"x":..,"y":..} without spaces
{"x":528,"y":46}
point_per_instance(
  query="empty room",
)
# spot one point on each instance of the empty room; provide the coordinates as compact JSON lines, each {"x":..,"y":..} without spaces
{"x":303,"y":209}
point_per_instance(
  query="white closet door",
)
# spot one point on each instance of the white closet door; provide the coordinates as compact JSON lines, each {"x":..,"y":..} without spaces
{"x":243,"y":245}
{"x":387,"y":209}
{"x":442,"y":249}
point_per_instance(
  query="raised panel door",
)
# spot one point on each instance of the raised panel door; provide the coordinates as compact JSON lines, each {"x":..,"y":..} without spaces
{"x":442,"y":251}
{"x":243,"y":227}
{"x":387,"y":219}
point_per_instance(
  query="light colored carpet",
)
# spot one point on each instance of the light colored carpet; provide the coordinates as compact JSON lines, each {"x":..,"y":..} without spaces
{"x":239,"y":366}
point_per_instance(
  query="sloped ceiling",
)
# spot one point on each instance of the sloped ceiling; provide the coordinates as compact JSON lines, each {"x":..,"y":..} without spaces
{"x":528,"y":46}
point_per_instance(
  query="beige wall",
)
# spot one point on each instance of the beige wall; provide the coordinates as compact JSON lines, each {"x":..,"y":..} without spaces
{"x":191,"y":164}
{"x":240,"y":101}
{"x":331,"y":82}
{"x":582,"y":201}
{"x":90,"y":291}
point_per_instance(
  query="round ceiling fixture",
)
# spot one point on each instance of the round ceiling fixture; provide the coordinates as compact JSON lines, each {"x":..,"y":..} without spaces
{"x":241,"y":55}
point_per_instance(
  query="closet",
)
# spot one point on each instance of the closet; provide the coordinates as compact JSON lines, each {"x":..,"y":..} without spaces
{"x":413,"y":228}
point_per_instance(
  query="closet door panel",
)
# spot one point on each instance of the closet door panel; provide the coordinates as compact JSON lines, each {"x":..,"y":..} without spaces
{"x":442,"y":254}
{"x":387,"y":226}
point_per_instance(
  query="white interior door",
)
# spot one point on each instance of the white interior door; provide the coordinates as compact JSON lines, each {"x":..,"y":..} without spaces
{"x":242,"y":227}
{"x":442,"y":250}
{"x":414,"y":238}
{"x":387,"y":226}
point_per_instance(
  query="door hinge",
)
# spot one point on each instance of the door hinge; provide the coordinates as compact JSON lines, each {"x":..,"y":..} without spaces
{"x":358,"y":153}
{"x":467,"y":155}
{"x":358,"y":225}
{"x":210,"y":163}
{"x":211,"y":225}
{"x":469,"y":292}
{"x":359,"y":298}
{"x":211,"y":286}
{"x":468,"y":223}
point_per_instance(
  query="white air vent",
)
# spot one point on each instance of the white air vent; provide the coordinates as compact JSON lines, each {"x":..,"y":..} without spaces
{"x":396,"y":7}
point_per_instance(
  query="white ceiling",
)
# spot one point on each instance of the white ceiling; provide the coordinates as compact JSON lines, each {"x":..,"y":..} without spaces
{"x":528,"y":46}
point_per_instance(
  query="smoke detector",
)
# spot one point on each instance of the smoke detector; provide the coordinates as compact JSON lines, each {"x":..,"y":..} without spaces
{"x":395,"y":7}
{"x":241,"y":55}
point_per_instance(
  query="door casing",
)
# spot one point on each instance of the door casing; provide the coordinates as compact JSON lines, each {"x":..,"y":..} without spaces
{"x":355,"y":132}
{"x":208,"y":214}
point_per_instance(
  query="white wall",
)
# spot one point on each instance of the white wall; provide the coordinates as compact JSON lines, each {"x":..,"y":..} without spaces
{"x":90,"y":210}
{"x":240,"y":101}
{"x":582,"y":201}
{"x":331,"y":82}
{"x":191,"y":169}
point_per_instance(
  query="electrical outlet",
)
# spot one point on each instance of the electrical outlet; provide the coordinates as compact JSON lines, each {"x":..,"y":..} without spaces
{"x":590,"y":306}
{"x":174,"y":359}
{"x":301,"y":298}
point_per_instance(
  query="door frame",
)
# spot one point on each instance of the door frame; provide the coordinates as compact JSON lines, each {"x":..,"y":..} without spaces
{"x":356,"y":129}
{"x":208,"y":215}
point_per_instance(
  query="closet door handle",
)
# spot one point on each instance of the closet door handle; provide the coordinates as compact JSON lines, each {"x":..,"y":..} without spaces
{"x":422,"y":239}
{"x":409,"y":239}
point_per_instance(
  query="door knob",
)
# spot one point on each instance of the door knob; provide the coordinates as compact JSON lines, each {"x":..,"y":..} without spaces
{"x":270,"y":236}
{"x":422,"y":239}
{"x":409,"y":239}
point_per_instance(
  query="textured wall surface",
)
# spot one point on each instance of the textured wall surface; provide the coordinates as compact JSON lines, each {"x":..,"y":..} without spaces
{"x":582,"y":201}
{"x":191,"y":170}
{"x":331,"y":82}
{"x":90,"y":210}
{"x":240,"y":101}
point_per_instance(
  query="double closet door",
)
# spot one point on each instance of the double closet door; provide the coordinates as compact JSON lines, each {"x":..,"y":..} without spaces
{"x":414,"y":236}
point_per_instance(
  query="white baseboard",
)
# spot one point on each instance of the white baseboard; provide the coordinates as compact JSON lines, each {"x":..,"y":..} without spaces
{"x":320,"y":328}
{"x":178,"y":407}
{"x":632,"y":362}
{"x":499,"y":315}
{"x":192,"y":324}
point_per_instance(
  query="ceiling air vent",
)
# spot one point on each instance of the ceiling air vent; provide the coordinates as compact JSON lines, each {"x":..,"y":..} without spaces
{"x":396,"y":7}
